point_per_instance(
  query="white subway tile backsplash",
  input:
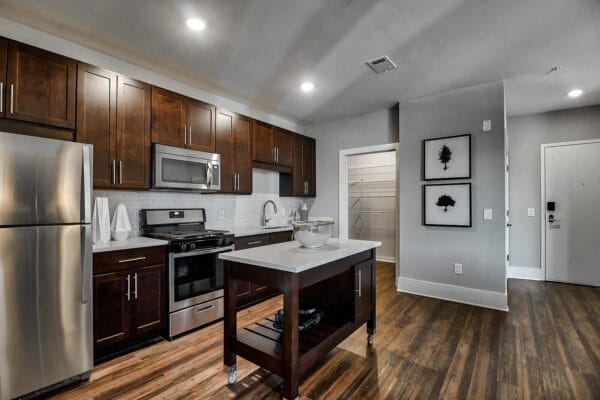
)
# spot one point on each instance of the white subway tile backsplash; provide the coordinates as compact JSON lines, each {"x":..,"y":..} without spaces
{"x":241,"y":211}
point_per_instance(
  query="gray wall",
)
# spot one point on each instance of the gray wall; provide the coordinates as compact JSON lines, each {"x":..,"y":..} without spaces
{"x":379,"y":127}
{"x":525,"y":135}
{"x":428,"y":253}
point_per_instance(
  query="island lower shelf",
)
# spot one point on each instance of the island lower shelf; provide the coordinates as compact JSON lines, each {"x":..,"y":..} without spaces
{"x":343,"y":289}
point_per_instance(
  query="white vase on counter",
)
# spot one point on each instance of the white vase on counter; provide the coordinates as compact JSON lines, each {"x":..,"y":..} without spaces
{"x":120,"y":228}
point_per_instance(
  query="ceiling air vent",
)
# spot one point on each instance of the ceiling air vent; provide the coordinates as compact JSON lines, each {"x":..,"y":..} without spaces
{"x":381,"y":64}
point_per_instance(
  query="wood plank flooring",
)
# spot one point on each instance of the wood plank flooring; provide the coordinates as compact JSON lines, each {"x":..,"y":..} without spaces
{"x":546,"y":347}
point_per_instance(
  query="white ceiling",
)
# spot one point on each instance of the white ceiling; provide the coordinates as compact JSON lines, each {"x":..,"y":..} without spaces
{"x":259,"y":51}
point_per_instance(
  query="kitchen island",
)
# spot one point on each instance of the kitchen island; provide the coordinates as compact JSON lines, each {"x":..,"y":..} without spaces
{"x":338,"y":279}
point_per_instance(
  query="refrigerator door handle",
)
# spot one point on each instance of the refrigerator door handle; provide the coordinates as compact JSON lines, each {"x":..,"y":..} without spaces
{"x":87,"y":191}
{"x":86,"y":263}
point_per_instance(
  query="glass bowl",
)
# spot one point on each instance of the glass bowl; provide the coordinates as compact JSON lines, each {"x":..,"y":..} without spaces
{"x":312,"y":234}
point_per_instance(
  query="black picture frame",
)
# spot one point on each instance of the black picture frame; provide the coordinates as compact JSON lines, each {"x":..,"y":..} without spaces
{"x":425,"y":154}
{"x":470,"y":211}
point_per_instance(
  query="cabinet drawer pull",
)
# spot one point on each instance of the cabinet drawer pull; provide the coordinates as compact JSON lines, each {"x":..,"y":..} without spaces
{"x":255,"y":242}
{"x":132,"y":259}
{"x":200,"y":310}
{"x":1,"y":96}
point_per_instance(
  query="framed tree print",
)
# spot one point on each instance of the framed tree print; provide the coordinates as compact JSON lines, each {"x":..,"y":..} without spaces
{"x":447,"y":205}
{"x":447,"y":158}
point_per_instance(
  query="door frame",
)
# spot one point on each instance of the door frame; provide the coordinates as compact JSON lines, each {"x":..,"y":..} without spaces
{"x":343,"y":187}
{"x":543,"y":148}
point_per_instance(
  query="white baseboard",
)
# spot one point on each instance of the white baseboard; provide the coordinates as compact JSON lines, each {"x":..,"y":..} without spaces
{"x":386,"y":259}
{"x":459,"y":294}
{"x":532,"y":274}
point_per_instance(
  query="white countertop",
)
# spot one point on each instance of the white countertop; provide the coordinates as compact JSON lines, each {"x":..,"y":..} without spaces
{"x":291,"y":257}
{"x":131,"y":243}
{"x":239,"y":232}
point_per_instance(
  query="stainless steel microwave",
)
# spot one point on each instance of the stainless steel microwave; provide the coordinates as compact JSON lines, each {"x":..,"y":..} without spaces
{"x":183,"y":169}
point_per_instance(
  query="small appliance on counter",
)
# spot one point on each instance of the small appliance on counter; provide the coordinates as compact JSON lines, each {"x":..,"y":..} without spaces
{"x":195,"y":273}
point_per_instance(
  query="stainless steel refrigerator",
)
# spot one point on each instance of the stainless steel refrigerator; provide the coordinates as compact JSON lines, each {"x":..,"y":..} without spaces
{"x":45,"y":264}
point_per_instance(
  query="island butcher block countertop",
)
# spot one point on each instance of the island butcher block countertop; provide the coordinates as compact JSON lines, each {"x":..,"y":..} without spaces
{"x":292,"y":257}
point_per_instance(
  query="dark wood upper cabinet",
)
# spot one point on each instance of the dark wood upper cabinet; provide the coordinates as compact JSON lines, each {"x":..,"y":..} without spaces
{"x":224,"y":146}
{"x":309,"y":173}
{"x":234,"y":144}
{"x":302,"y":181}
{"x":41,"y":86}
{"x":133,"y":133}
{"x":113,"y":114}
{"x":148,"y":286}
{"x":283,"y":141}
{"x":3,"y":61}
{"x":263,"y":149}
{"x":242,"y":153}
{"x":97,"y":121}
{"x":168,"y":118}
{"x":200,"y":126}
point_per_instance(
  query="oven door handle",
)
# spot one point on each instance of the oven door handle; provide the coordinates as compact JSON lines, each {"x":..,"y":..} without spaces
{"x":212,"y":250}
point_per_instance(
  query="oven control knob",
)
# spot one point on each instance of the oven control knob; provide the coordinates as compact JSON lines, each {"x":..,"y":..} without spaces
{"x":183,"y":247}
{"x":192,"y":246}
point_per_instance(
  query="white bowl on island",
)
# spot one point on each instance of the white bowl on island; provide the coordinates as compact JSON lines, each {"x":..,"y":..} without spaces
{"x":312,"y":234}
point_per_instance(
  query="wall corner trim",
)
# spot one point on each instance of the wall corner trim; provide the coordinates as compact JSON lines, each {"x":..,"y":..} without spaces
{"x":459,"y":294}
{"x":529,"y":273}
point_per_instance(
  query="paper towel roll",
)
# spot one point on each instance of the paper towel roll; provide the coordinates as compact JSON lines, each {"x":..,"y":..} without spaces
{"x":100,"y":221}
{"x":120,"y":227}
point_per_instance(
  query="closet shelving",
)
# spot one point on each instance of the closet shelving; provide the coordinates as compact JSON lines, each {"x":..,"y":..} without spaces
{"x":372,"y":199}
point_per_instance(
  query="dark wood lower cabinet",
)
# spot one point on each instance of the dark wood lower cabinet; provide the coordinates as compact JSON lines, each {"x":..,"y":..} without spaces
{"x":250,"y":293}
{"x":129,"y":299}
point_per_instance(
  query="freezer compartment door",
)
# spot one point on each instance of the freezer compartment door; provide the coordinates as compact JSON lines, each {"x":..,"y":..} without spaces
{"x":44,"y":181}
{"x":45,"y":306}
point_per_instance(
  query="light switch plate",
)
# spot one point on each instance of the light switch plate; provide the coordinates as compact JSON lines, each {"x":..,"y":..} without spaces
{"x":458,"y":268}
{"x":487,"y":125}
{"x":531,"y":212}
{"x":487,"y":214}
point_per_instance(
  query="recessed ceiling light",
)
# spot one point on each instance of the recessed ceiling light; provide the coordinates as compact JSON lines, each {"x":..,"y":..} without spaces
{"x":307,"y":86}
{"x":575,"y":93}
{"x":195,"y":24}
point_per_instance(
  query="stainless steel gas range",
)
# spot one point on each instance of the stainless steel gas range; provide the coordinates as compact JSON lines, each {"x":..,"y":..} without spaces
{"x":195,"y":271}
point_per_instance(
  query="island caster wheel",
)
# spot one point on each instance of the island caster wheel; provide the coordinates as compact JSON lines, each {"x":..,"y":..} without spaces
{"x":232,"y":375}
{"x":370,"y":338}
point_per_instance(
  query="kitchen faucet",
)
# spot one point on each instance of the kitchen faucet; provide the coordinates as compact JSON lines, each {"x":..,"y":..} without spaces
{"x":264,"y":220}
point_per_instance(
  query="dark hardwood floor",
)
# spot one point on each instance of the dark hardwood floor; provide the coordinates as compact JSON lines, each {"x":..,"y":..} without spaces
{"x":546,"y":347}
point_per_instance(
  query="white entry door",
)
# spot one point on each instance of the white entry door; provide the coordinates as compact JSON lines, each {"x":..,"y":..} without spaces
{"x":572,"y":217}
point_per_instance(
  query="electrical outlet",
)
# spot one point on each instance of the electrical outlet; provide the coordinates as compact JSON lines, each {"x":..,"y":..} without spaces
{"x":531,"y":212}
{"x":458,"y":268}
{"x":221,"y":213}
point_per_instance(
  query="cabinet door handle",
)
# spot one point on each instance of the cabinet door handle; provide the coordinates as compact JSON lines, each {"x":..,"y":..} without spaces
{"x":190,"y":133}
{"x":238,"y":182}
{"x":278,"y":154}
{"x":120,"y":172}
{"x":128,"y":287}
{"x":132,"y":259}
{"x":185,"y":135}
{"x":114,"y":172}
{"x":12,"y":98}
{"x":275,"y":154}
{"x":255,"y":242}
{"x":359,"y":291}
{"x":135,"y":292}
{"x":1,"y":96}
